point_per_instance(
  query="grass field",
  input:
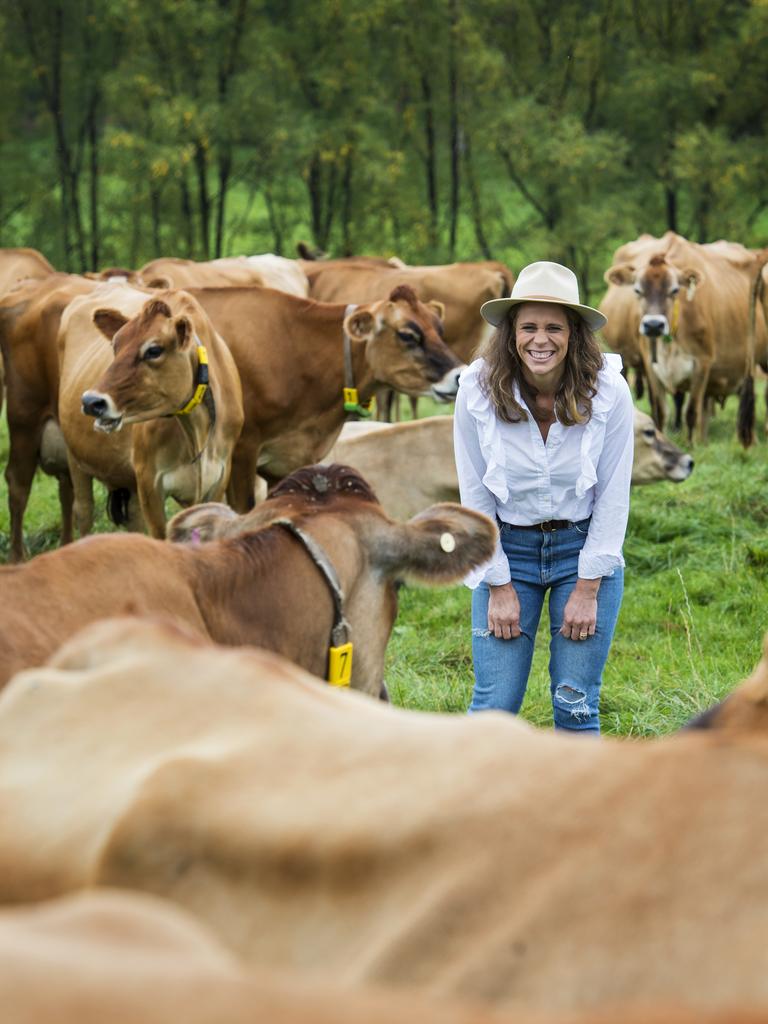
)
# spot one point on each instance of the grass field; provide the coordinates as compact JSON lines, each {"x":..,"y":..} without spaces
{"x":694,"y":610}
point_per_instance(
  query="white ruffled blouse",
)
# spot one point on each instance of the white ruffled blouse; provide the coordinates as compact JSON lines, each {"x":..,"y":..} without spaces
{"x":507,"y":471}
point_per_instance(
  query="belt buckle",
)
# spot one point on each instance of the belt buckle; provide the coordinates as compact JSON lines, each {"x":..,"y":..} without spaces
{"x":546,"y":526}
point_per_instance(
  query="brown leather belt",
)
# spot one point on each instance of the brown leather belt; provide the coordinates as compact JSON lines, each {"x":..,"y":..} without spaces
{"x":547,"y":527}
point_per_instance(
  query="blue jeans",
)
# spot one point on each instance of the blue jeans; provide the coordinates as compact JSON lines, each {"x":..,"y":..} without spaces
{"x":540,"y":561}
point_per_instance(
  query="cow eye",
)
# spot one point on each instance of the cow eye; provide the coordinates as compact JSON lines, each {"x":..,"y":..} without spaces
{"x":674,"y":289}
{"x":153,"y":352}
{"x":409,"y":337}
{"x":638,"y":289}
{"x":649,"y":433}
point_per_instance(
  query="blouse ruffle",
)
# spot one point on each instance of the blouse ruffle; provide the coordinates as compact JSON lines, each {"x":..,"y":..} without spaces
{"x":489,"y":434}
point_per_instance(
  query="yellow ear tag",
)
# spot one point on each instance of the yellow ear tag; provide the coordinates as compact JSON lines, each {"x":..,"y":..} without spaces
{"x":340,"y":665}
{"x":350,"y":397}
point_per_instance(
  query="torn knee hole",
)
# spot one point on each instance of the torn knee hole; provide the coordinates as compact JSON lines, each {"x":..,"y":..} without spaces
{"x":569,"y":694}
{"x":482,"y":632}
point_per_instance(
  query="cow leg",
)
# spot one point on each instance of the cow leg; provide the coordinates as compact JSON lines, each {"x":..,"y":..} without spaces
{"x":414,"y":408}
{"x":639,"y":383}
{"x":679,"y":399}
{"x":82,"y":490}
{"x":242,"y":480}
{"x":19,"y":474}
{"x":695,"y":419}
{"x":384,"y":398}
{"x":151,"y":504}
{"x":66,"y":503}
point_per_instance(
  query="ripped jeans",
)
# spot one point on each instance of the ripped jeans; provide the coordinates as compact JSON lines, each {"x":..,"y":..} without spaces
{"x":540,"y":562}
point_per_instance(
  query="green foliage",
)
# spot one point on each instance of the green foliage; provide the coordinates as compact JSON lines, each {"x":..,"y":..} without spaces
{"x":512,"y":130}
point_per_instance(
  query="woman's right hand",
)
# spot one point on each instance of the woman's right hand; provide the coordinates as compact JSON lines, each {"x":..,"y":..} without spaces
{"x":504,"y":612}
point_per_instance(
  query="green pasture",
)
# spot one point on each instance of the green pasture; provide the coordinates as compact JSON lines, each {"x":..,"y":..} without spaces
{"x":694,"y":610}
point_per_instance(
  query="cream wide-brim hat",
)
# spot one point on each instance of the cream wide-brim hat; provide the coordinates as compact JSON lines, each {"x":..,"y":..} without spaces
{"x":543,"y":282}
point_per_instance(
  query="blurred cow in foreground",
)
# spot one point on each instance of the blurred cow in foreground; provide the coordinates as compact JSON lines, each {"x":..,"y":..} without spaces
{"x":467,"y":857}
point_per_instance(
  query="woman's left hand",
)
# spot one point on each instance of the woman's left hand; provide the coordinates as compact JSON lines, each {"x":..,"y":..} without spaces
{"x":580,"y":615}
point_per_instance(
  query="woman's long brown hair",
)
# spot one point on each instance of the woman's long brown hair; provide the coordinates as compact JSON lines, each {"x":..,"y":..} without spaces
{"x":573,"y":400}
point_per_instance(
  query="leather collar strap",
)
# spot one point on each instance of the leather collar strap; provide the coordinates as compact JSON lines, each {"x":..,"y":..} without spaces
{"x":352,"y":402}
{"x":341,"y":628}
{"x":202,"y":381}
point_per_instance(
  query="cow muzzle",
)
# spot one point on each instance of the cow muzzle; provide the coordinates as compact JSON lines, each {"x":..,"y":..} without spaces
{"x":102,"y":408}
{"x":654,"y":326}
{"x":447,"y":387}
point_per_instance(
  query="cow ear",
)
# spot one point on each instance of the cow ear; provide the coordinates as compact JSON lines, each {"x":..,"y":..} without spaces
{"x":109,"y":322}
{"x":201,"y":523}
{"x":440,"y":545}
{"x":691,"y":279}
{"x":158,"y":283}
{"x":183,"y":329}
{"x":360,"y":324}
{"x":437,"y":307}
{"x":622,"y":273}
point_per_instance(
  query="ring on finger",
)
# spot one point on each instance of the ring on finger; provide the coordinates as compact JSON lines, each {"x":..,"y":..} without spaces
{"x":583,"y":636}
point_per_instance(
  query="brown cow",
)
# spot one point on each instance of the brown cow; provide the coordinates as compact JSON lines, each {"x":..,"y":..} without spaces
{"x":256,"y":587}
{"x":18,"y":266}
{"x":693,"y":302}
{"x":22,"y":265}
{"x":462,"y":288}
{"x":29,"y":324}
{"x":290,"y":353}
{"x":171,"y":380}
{"x":123,"y":957}
{"x":467,"y":857}
{"x":411,"y":465}
{"x":267,"y":270}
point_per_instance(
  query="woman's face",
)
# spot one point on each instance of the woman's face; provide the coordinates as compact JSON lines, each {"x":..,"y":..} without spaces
{"x":542,"y":333}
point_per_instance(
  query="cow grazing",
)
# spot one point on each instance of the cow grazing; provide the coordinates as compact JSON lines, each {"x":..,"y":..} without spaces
{"x":167,"y":376}
{"x":467,"y":857}
{"x":266,"y":270}
{"x":29,"y":324}
{"x":411,"y":465}
{"x":259,"y":585}
{"x":693,"y":302}
{"x":296,"y":357}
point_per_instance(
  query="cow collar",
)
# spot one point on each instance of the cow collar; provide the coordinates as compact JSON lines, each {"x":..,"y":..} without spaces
{"x":202,"y":393}
{"x":202,"y":381}
{"x":340,"y":648}
{"x":352,"y":403}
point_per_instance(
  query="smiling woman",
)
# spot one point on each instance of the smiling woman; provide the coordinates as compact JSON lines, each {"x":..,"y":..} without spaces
{"x":543,"y":440}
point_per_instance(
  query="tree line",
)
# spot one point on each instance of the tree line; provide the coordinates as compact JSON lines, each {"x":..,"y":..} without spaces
{"x":451,"y":129}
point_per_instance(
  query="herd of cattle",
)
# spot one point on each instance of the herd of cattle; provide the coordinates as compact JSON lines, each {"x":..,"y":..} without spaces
{"x":196,"y":828}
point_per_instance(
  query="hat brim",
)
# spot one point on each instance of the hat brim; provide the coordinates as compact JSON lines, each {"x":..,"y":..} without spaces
{"x":495,"y":310}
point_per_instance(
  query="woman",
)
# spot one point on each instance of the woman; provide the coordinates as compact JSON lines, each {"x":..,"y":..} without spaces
{"x":543,"y":438}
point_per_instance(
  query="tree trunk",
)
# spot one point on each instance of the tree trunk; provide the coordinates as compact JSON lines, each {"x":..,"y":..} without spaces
{"x":430,"y":159}
{"x":455,"y":130}
{"x":203,"y":199}
{"x":670,"y":198}
{"x":225,"y":170}
{"x":93,"y":143}
{"x":474,"y":199}
{"x":188,"y":218}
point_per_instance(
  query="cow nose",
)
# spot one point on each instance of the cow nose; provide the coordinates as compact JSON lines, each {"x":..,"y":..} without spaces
{"x":653,"y":326}
{"x":93,"y":404}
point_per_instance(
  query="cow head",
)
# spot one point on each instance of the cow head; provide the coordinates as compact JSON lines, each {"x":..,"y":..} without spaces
{"x":404,"y":344}
{"x":656,"y":457}
{"x":370,"y":552}
{"x":657,"y":285}
{"x":153,"y":371}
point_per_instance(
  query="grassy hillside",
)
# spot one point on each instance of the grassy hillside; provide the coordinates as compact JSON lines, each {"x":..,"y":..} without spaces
{"x":694,"y":611}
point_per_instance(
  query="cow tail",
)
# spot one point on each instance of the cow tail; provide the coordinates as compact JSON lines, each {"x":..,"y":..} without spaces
{"x":117,"y":506}
{"x":746,"y":417}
